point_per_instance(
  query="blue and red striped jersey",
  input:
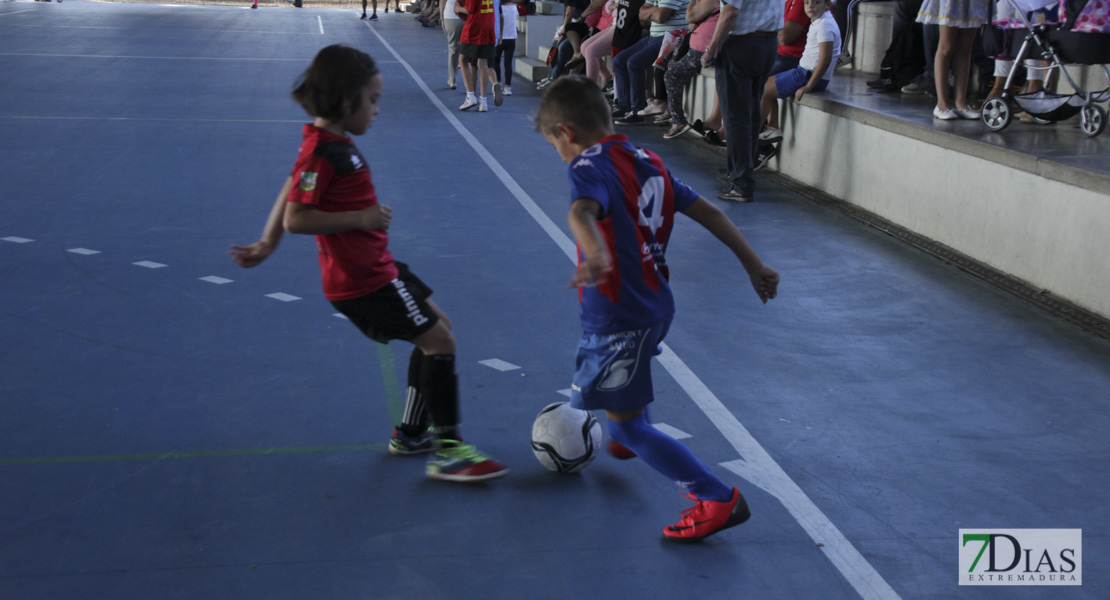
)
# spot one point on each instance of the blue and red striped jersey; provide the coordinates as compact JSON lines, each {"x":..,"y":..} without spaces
{"x":638,"y":198}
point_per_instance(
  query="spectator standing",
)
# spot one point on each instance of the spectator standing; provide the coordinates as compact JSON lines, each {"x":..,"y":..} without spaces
{"x":743,"y":48}
{"x":452,"y":27}
{"x":959,"y":21}
{"x":478,"y":38}
{"x":510,"y":10}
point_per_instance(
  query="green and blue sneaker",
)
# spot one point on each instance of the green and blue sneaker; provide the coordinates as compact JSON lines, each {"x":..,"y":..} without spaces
{"x":403,"y":444}
{"x":456,"y":461}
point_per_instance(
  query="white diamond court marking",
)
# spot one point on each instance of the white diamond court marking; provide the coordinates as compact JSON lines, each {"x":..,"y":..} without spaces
{"x":148,"y":264}
{"x":16,"y":240}
{"x":83,"y":251}
{"x":341,"y":316}
{"x":283,"y":297}
{"x":497,"y":363}
{"x":565,"y":392}
{"x":216,"y":280}
{"x":674,"y":432}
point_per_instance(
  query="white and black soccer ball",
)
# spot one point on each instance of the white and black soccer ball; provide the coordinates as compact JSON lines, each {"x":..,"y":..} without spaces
{"x":564,"y":438}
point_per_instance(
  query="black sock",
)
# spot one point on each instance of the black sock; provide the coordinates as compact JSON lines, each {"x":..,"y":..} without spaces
{"x":415,"y":419}
{"x":440,"y":387}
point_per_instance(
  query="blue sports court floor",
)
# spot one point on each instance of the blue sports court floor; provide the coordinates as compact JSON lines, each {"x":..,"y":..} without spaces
{"x":172,"y":426}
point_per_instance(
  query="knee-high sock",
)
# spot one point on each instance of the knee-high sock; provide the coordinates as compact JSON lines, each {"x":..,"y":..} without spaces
{"x":440,"y":387}
{"x":415,"y":418}
{"x":670,"y":457}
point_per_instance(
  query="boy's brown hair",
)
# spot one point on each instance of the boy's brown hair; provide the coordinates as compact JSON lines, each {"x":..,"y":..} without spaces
{"x":330,"y":87}
{"x":573,"y":99}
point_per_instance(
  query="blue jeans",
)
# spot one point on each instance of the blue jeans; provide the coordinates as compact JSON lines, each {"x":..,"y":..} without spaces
{"x":630,"y":72}
{"x":743,"y":66}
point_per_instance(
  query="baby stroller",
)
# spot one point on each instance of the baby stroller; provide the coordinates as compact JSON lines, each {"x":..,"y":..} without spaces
{"x":1081,"y":37}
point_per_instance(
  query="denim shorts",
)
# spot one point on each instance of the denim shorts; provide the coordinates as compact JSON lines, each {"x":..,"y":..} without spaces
{"x":790,"y":81}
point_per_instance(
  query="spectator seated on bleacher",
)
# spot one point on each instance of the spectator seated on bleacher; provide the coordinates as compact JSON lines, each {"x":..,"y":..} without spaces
{"x":813,"y":73}
{"x":701,"y":17}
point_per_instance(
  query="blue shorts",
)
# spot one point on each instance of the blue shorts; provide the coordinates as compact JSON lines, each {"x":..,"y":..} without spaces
{"x":614,"y":369}
{"x":790,"y":81}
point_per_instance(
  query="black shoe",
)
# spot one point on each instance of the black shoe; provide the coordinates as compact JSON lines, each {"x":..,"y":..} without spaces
{"x":731,"y":194}
{"x":630,"y":119}
{"x":618,"y":112}
{"x":714,"y":139}
{"x":574,"y":63}
{"x":363,"y":17}
{"x":723,"y":177}
{"x":764,"y":156}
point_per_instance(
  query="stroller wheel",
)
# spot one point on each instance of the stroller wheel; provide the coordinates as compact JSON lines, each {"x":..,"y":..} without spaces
{"x":997,"y":113}
{"x":1092,"y":120}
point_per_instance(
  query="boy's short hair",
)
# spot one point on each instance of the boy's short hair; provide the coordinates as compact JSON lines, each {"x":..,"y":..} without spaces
{"x":330,"y":87}
{"x":573,"y":99}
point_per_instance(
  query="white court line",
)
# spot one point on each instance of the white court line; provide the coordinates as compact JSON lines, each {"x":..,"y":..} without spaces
{"x":500,"y":365}
{"x":149,"y":264}
{"x":321,"y":22}
{"x":16,"y":12}
{"x":756,"y":466}
{"x":216,"y":279}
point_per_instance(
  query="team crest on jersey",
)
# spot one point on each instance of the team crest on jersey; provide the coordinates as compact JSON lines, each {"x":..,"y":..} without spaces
{"x":583,"y":162}
{"x":308,"y":181}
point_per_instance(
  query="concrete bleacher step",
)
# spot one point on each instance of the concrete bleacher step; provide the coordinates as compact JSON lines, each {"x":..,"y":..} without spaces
{"x":530,"y":68}
{"x":549,"y":8}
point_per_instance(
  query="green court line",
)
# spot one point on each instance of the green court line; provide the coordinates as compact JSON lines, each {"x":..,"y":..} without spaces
{"x":392,"y":387}
{"x":202,"y":454}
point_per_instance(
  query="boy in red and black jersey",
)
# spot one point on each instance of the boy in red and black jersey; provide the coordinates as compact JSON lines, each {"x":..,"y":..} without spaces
{"x":330,"y":195}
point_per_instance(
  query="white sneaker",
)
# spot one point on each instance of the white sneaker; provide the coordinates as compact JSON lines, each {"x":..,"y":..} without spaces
{"x":482,"y":107}
{"x":508,"y":91}
{"x":468,"y":104}
{"x":945,"y":115}
{"x":770,"y":135}
{"x":967,"y":113}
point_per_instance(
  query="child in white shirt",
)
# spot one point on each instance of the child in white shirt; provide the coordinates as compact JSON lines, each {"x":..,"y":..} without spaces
{"x":814,"y":70}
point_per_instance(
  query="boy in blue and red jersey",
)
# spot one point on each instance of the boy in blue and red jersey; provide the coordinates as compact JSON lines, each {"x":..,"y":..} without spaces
{"x":623,"y":205}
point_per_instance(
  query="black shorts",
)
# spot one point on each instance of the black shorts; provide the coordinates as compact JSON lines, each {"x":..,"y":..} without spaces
{"x":474,"y":52}
{"x":398,"y":311}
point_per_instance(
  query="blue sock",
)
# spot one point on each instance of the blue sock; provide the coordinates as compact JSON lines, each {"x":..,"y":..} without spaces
{"x":670,"y":457}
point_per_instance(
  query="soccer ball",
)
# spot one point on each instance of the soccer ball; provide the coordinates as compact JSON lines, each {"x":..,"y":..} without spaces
{"x":564,"y":438}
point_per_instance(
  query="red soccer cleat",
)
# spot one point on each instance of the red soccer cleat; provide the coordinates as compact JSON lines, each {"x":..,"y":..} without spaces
{"x":708,"y":517}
